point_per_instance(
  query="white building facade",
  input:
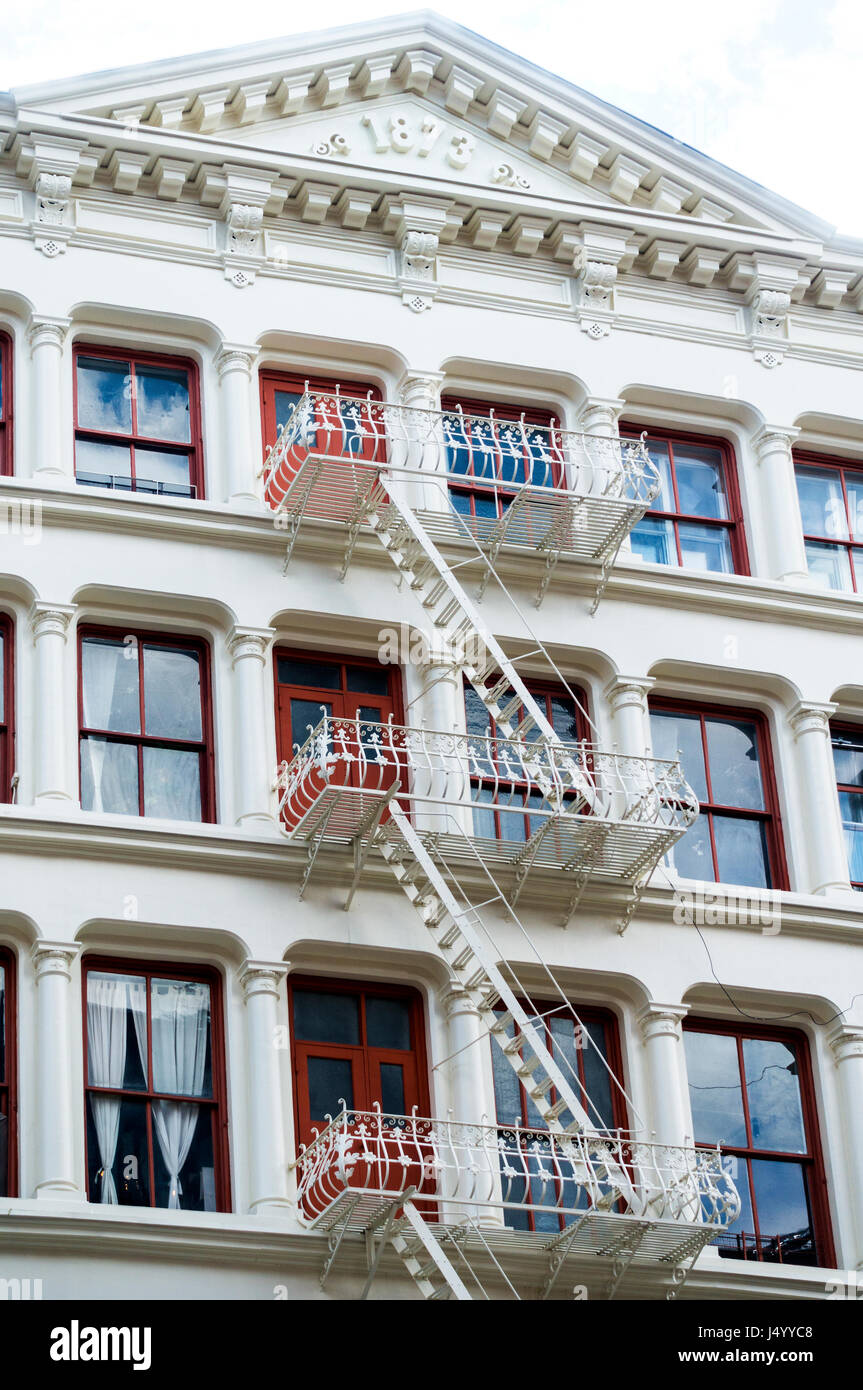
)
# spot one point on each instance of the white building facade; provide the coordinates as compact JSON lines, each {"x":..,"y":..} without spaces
{"x":557,"y":423}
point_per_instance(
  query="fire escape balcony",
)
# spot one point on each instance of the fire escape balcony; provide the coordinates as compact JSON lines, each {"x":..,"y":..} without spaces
{"x":476,"y":479}
{"x":491,"y":1186}
{"x":508,"y":802}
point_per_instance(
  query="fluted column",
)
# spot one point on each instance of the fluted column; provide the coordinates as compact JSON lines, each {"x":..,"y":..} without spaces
{"x":780,"y":508}
{"x":421,"y":391}
{"x":234,"y":364}
{"x":53,"y":1101}
{"x":826,"y":855}
{"x":627,"y":700}
{"x":53,"y":460}
{"x":847,"y":1047}
{"x":262,"y":983}
{"x":248,"y":647}
{"x":49,"y":623}
{"x":666,"y":1067}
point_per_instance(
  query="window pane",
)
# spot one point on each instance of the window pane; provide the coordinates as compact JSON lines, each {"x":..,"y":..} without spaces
{"x":104,"y":395}
{"x":738,"y":1241}
{"x":172,"y":783}
{"x":172,"y":693}
{"x":829,"y":564}
{"x":370,"y":680}
{"x":99,"y":464}
{"x":2,"y":677}
{"x":320,"y":675}
{"x":331,"y":1086}
{"x":154,"y":467}
{"x":848,"y":759}
{"x":285,"y":403}
{"x":822,"y":507}
{"x":163,"y":403}
{"x":109,"y":777}
{"x":854,"y":490}
{"x":851,"y":810}
{"x":714,"y":1088}
{"x":109,"y":681}
{"x":477,"y":716}
{"x":735,"y":773}
{"x":596,"y":1077}
{"x":672,"y":732}
{"x":392,"y":1088}
{"x":117,"y":1031}
{"x":692,"y":856}
{"x":773,"y":1089}
{"x":183,"y":1164}
{"x":2,"y":1023}
{"x":658,"y":452}
{"x":706,"y":548}
{"x":306,"y":715}
{"x":323,"y":1017}
{"x":180,"y":1026}
{"x":653,"y":540}
{"x":507,"y":1091}
{"x":700,"y":481}
{"x":783,"y":1212}
{"x":741,"y":849}
{"x":563,"y":717}
{"x":388,"y":1023}
{"x":118,"y":1170}
{"x":484,"y":825}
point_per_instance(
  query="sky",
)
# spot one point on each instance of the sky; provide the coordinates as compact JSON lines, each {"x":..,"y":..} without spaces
{"x":769,"y":87}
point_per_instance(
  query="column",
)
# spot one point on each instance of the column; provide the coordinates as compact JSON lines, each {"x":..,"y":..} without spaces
{"x":780,"y":508}
{"x":49,"y":623}
{"x":825,"y":843}
{"x":598,"y":416}
{"x":627,"y":699}
{"x":262,"y":983}
{"x":847,"y":1046}
{"x":666,"y":1069}
{"x":53,"y":461}
{"x":470,"y":1103}
{"x":55,"y":1146}
{"x":248,"y":647}
{"x":234,"y":364}
{"x":423,"y":436}
{"x":437,"y":705}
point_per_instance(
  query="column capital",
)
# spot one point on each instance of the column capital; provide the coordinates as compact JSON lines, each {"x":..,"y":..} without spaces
{"x":54,"y":958}
{"x":51,"y":618}
{"x":236,"y":357}
{"x":662,"y":1020}
{"x":455,"y":1000}
{"x":421,"y":389}
{"x":45,"y":329}
{"x":262,"y":977}
{"x":600,"y":414}
{"x":628,"y":690}
{"x":246,"y":642}
{"x":770,"y":439}
{"x":810,"y":716}
{"x":846,"y":1042}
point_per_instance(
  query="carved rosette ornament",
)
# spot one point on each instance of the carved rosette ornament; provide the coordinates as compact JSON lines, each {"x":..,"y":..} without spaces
{"x":417,"y":255}
{"x":770,"y":325}
{"x":243,"y":247}
{"x":50,"y":229}
{"x":597,"y":280}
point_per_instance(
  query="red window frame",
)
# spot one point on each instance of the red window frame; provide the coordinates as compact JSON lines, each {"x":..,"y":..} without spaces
{"x":804,"y":459}
{"x":770,"y":816}
{"x":509,"y":414}
{"x":841,"y":727}
{"x":734,"y":524}
{"x":272,"y":381}
{"x":194,"y":449}
{"x":217,"y":1103}
{"x":346,"y":703}
{"x":9,"y":1081}
{"x":7,"y":403}
{"x":204,"y":746}
{"x":812,"y":1159}
{"x":543,"y":691}
{"x":364,"y":1058}
{"x":7,"y":720}
{"x":613,"y":1056}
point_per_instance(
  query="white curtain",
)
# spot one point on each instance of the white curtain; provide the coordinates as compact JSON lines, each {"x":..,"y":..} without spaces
{"x":180,"y":1024}
{"x":106,"y":1033}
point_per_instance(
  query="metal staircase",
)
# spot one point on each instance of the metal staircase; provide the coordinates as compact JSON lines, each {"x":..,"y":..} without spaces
{"x":364,"y":463}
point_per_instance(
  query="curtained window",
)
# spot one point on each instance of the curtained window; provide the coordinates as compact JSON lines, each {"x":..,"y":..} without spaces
{"x":848,"y":762}
{"x":145,"y":731}
{"x":154,"y":1082}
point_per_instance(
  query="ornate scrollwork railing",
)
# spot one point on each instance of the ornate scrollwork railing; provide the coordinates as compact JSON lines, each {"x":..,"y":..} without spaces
{"x":516,"y":1170}
{"x":484,"y":451}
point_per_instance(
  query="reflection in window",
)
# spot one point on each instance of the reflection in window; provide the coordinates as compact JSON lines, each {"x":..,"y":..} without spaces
{"x":831,"y":510}
{"x":747,"y":1095}
{"x":848,"y":762}
{"x":693,"y":522}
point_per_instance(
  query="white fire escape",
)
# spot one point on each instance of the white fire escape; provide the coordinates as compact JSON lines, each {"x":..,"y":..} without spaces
{"x":457,"y":1202}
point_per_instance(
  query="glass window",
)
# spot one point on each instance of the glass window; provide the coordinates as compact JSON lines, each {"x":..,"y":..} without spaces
{"x":136,"y":424}
{"x":5,"y":404}
{"x":695,"y":521}
{"x":7,"y":755}
{"x":155,"y":1127}
{"x":144,"y":739}
{"x":831,"y":510}
{"x":751,"y":1094}
{"x":495,"y":449}
{"x":848,"y":762}
{"x":8,"y":1138}
{"x":736,"y":837}
{"x":309,"y":686}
